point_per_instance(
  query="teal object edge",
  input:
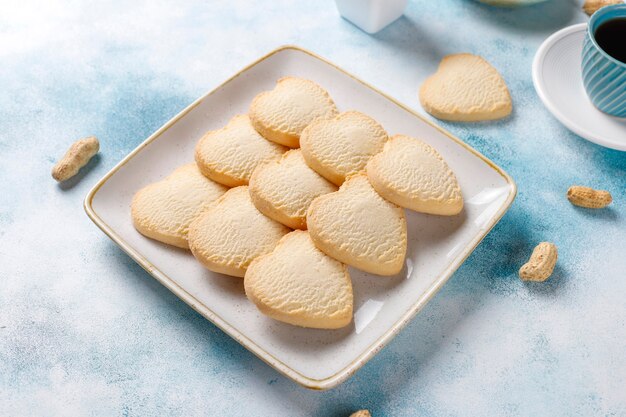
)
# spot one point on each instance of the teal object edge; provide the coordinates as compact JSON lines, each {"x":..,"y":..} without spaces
{"x":604,"y":77}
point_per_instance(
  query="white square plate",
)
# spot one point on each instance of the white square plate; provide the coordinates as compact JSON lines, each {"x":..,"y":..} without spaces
{"x":318,"y":359}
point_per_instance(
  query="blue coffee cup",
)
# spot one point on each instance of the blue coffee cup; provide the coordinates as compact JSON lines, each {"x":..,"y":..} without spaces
{"x":604,"y":77}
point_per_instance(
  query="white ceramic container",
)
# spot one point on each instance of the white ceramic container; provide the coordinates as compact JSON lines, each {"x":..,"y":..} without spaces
{"x":371,"y":15}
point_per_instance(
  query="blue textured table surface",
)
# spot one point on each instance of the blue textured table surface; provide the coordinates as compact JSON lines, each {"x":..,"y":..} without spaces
{"x":85,"y":331}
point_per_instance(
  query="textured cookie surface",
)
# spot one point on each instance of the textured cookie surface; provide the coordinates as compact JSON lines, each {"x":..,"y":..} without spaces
{"x":412,"y":174}
{"x":229,"y":155}
{"x":164,"y":210}
{"x":358,"y":227}
{"x":298,"y":284}
{"x":339,"y":147}
{"x":465,"y":88}
{"x":281,"y":114}
{"x":232,"y":232}
{"x":284,"y":189}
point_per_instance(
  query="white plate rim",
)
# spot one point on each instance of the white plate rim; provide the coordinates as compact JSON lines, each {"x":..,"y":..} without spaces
{"x":552,"y":108}
{"x":285,"y":370}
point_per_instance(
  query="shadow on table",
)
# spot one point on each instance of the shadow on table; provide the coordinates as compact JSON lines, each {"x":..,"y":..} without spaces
{"x":608,"y":214}
{"x":550,"y":15}
{"x":603,"y":159}
{"x":552,"y":286}
{"x":411,"y":39}
{"x":84,"y":171}
{"x":416,"y":40}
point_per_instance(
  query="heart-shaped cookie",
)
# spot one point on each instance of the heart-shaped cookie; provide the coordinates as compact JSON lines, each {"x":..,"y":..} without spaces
{"x":284,"y":189}
{"x":339,"y":147}
{"x":298,"y":284}
{"x":412,"y":174}
{"x":465,"y":88}
{"x":230,"y":155}
{"x":358,"y":227}
{"x":232,"y":232}
{"x":281,"y":114}
{"x":164,"y":210}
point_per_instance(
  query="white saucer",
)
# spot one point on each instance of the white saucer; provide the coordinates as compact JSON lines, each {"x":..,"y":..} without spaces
{"x":558,"y":81}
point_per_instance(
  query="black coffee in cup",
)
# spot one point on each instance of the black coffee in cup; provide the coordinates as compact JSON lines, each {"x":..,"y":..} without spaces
{"x":611,"y":37}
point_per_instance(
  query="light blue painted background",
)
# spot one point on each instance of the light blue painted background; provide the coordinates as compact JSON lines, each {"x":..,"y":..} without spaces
{"x":85,"y":331}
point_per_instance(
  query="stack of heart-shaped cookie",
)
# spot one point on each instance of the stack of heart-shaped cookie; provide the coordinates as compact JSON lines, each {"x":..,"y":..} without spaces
{"x":343,"y":188}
